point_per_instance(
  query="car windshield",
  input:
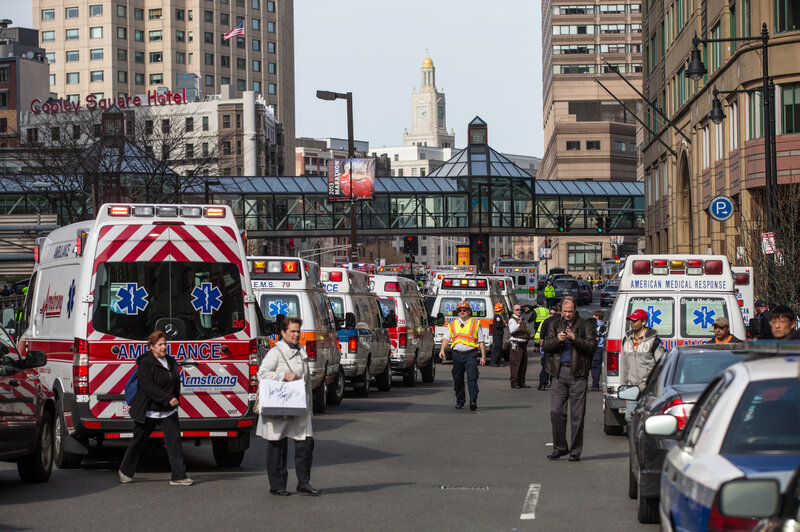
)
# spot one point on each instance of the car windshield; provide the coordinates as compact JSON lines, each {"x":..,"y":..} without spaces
{"x":766,"y":419}
{"x":701,"y":367}
{"x":565,"y":285}
{"x":195,"y":300}
{"x":611,"y":288}
{"x":447,"y":306}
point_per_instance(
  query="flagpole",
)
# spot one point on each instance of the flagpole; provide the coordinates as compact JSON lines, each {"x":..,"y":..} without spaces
{"x":246,"y":57}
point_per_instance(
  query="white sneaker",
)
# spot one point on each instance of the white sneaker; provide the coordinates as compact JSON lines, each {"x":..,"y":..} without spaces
{"x":125,"y":479}
{"x":183,"y":482}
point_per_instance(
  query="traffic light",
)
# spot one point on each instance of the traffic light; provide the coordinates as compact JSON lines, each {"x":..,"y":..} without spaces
{"x":411,"y":245}
{"x":562,"y":225}
{"x":547,"y":242}
{"x":601,"y":224}
{"x":479,"y":251}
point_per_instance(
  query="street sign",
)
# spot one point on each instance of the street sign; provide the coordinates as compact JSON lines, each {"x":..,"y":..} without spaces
{"x":740,"y":252}
{"x":545,"y":253}
{"x":768,"y":243}
{"x":720,"y":208}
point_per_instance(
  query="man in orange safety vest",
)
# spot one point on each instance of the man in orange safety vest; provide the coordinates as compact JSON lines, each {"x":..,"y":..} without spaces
{"x":465,"y":336}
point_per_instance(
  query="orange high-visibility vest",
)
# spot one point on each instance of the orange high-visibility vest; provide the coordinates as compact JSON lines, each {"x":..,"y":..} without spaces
{"x":466,"y":334}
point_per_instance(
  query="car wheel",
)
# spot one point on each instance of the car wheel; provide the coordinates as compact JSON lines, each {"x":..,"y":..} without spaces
{"x":37,"y":466}
{"x":384,"y":380}
{"x":319,"y":395}
{"x":647,"y":509}
{"x":410,"y":376}
{"x":633,"y":485}
{"x":336,"y":392}
{"x":63,"y":458}
{"x":362,"y":385}
{"x":222,"y":456}
{"x":429,"y":371}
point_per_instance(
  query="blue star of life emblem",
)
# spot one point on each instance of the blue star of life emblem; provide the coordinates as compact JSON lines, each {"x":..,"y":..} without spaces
{"x":206,"y":298}
{"x":704,"y":317}
{"x":71,"y":299}
{"x":653,"y":316}
{"x":132,"y":298}
{"x":278,"y":307}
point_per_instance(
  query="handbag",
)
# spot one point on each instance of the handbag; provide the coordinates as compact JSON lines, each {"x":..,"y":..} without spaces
{"x":281,"y":398}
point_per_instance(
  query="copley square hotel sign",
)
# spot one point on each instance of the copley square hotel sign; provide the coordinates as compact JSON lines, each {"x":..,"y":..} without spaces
{"x":93,"y":102}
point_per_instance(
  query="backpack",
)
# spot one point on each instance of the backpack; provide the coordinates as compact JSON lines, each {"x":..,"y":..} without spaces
{"x":132,"y":386}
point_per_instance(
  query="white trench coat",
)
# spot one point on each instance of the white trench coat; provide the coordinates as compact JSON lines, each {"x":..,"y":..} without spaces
{"x":274,"y":367}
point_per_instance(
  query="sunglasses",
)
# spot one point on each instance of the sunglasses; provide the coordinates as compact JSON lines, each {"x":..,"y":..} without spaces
{"x":463,"y":310}
{"x":720,"y":326}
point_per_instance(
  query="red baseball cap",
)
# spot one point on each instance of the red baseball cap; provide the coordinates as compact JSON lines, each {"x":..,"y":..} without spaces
{"x":639,"y":314}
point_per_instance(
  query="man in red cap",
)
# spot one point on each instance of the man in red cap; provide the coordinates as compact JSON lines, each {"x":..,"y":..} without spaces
{"x":641,"y":349}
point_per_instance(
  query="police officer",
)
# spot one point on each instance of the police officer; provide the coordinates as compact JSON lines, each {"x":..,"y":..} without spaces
{"x":499,"y":325}
{"x":541,"y":314}
{"x":466,"y":336}
{"x":549,"y":294}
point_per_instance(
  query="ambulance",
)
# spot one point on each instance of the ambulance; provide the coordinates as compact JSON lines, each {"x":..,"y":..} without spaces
{"x":505,"y":285}
{"x":412,"y":338}
{"x":99,"y":288}
{"x":743,"y":280}
{"x":682,"y":295}
{"x":363,"y":330}
{"x":289,"y":287}
{"x":479,"y":291}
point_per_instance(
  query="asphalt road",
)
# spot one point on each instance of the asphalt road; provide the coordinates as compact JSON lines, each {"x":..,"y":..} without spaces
{"x":402,"y":460}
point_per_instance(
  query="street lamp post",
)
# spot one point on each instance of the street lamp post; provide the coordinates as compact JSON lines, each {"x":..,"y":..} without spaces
{"x":696,"y":69}
{"x":351,"y":150}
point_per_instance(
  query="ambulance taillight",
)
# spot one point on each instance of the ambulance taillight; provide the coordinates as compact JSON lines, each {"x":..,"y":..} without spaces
{"x":741,"y":278}
{"x":391,"y":287}
{"x":311,"y":350}
{"x":36,"y":253}
{"x":402,"y":340}
{"x":447,"y":282}
{"x":352,"y":344}
{"x":612,"y":357}
{"x":502,"y":270}
{"x":252,"y":385}
{"x":660,"y":267}
{"x":243,"y":235}
{"x":80,"y":367}
{"x":80,"y":243}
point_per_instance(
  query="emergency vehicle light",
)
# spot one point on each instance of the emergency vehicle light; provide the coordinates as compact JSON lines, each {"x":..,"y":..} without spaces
{"x":677,"y":265}
{"x":36,"y":253}
{"x":641,"y":267}
{"x":119,"y":210}
{"x":80,"y":242}
{"x":447,"y":282}
{"x":532,"y":270}
{"x":741,"y":303}
{"x":501,"y":270}
{"x":336,"y":277}
{"x":144,"y":210}
{"x":191,"y":212}
{"x":274,"y":266}
{"x":470,"y":268}
{"x":660,"y":267}
{"x":166,"y":211}
{"x":742,"y":278}
{"x":243,"y":234}
{"x":713,"y":267}
{"x":481,"y":283}
{"x":502,"y":285}
{"x":352,"y":344}
{"x":516,"y":269}
{"x":391,"y":287}
{"x":464,"y":282}
{"x":214,"y":212}
{"x":694,"y":267}
{"x":259,"y":266}
{"x":290,"y":266}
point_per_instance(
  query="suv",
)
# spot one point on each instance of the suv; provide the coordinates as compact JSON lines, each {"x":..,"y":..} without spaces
{"x":26,"y":413}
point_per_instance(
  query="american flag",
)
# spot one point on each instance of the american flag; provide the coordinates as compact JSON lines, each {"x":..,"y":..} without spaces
{"x":238,"y":30}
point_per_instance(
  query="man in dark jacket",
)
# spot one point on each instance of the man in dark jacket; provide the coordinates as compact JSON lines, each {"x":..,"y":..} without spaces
{"x":763,"y":315}
{"x":544,"y":376}
{"x":783,"y":324}
{"x":570,"y":342}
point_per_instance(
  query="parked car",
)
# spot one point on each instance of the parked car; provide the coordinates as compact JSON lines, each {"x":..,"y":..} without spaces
{"x":608,"y":295}
{"x":745,"y":424}
{"x":26,"y":412}
{"x":567,"y":287}
{"x":673,"y":387}
{"x":585,"y":291}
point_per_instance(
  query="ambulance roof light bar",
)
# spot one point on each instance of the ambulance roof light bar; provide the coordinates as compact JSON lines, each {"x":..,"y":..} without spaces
{"x":678,"y":267}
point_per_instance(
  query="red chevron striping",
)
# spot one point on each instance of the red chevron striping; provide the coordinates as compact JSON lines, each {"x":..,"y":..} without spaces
{"x":192,"y":242}
{"x":237,"y":403}
{"x":145,"y":242}
{"x":189,"y":409}
{"x":177,"y":254}
{"x":161,"y":254}
{"x":101,"y":376}
{"x":226,"y":250}
{"x":209,"y":401}
{"x":119,"y":386}
{"x":113,"y":245}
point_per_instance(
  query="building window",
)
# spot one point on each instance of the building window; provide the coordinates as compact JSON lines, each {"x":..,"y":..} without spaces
{"x":205,"y":149}
{"x":138,"y":35}
{"x":48,"y":36}
{"x":122,"y":76}
{"x":240,"y":43}
{"x":48,"y":14}
{"x":241,"y":84}
{"x":755,"y":115}
{"x":256,"y":66}
{"x":256,"y":4}
{"x":71,"y":12}
{"x":96,"y":32}
{"x":156,"y":79}
{"x":51,"y":57}
{"x":787,"y":15}
{"x":209,"y":80}
{"x":95,"y":76}
{"x":745,"y":18}
{"x":191,"y":36}
{"x":180,"y":58}
{"x":256,"y":45}
{"x":718,"y":143}
{"x":138,"y":78}
{"x":584,"y":256}
{"x":180,"y":36}
{"x":138,"y":57}
{"x":72,"y":35}
{"x":225,"y":61}
{"x":3,"y":125}
{"x":205,"y":123}
{"x":156,"y":57}
{"x":270,"y":6}
{"x":155,"y":35}
{"x":165,"y":125}
{"x":52,"y":79}
{"x":122,"y":33}
{"x":180,"y":14}
{"x":95,"y":10}
{"x":189,"y":124}
{"x":257,"y":87}
{"x":33,"y":134}
{"x":96,"y":54}
{"x":272,"y":88}
{"x":73,"y":77}
{"x":224,"y":80}
{"x":138,"y":13}
{"x":706,"y":148}
{"x":257,"y":24}
{"x":573,"y":145}
{"x":72,"y":56}
{"x":716,"y":48}
{"x":592,"y":144}
{"x":272,"y":68}
{"x":226,"y":121}
{"x":224,"y":19}
{"x":208,"y":16}
{"x":619,"y":145}
{"x":733,"y":125}
{"x":208,"y":37}
{"x":154,"y":14}
{"x":270,"y":27}
{"x":189,"y":151}
{"x":271,"y":47}
{"x":240,"y":63}
{"x":209,"y":59}
{"x":226,"y":148}
{"x":790,"y":103}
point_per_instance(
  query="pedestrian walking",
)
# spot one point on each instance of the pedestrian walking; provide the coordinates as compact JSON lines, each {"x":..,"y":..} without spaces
{"x":597,"y":358}
{"x":783,"y":323}
{"x":571,"y":342}
{"x":287,"y":361}
{"x":156,"y":405}
{"x":764,"y":316}
{"x":641,"y":349}
{"x":549,"y":294}
{"x":722,"y":332}
{"x":466,"y":337}
{"x":499,"y":325}
{"x":518,"y":354}
{"x":545,"y":379}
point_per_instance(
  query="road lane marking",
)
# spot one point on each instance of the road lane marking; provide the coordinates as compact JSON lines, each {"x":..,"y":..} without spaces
{"x":529,"y":508}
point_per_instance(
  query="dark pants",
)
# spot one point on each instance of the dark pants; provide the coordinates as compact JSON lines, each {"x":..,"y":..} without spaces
{"x":497,"y":350}
{"x":567,"y":388}
{"x":465,"y":362}
{"x":172,"y":437}
{"x":276,"y":462}
{"x":544,"y":376}
{"x":597,"y":367}
{"x":518,"y":360}
{"x":549,"y":301}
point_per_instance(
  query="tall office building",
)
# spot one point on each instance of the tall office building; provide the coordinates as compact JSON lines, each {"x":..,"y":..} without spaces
{"x":124,"y":48}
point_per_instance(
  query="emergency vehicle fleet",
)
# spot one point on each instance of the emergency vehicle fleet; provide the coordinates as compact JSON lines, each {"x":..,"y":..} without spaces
{"x":682,"y":296}
{"x":101,"y":287}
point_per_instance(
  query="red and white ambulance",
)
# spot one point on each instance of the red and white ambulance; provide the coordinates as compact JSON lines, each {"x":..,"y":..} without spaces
{"x":682,"y":295}
{"x":101,"y":287}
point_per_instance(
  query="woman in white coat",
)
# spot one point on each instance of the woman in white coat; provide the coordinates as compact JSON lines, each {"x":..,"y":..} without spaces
{"x":287,"y":361}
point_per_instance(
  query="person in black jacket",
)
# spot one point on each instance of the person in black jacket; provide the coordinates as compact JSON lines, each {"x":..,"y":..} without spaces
{"x":156,"y":404}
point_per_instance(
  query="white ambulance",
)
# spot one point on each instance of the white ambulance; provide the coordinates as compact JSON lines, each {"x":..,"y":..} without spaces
{"x":101,"y":287}
{"x":364,"y":339}
{"x":682,"y":295}
{"x":412,"y":338}
{"x":743,"y":280}
{"x":290,"y":287}
{"x":482,"y":294}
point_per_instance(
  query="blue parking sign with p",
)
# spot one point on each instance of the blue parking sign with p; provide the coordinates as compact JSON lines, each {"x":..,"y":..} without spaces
{"x":721,"y":208}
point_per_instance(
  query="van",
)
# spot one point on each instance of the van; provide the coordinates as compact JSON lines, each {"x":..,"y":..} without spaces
{"x":99,"y":288}
{"x":412,"y":338}
{"x":682,"y":295}
{"x":482,"y":295}
{"x":506,"y":286}
{"x":289,"y":287}
{"x":363,"y":334}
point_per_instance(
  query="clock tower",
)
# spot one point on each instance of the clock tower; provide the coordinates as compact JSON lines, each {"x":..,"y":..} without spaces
{"x":428,"y":125}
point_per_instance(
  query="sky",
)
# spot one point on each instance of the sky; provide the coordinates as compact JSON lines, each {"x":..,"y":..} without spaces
{"x":487,"y":58}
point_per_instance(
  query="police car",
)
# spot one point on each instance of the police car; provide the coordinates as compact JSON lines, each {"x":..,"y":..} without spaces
{"x":682,"y":295}
{"x":746,"y":424}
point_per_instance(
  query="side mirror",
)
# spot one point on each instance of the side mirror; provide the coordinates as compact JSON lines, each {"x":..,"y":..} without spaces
{"x":755,"y":328}
{"x":749,"y":498}
{"x":349,"y":321}
{"x":339,"y":324}
{"x":628,"y":393}
{"x":35,"y":359}
{"x":439,"y":319}
{"x":663,"y":425}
